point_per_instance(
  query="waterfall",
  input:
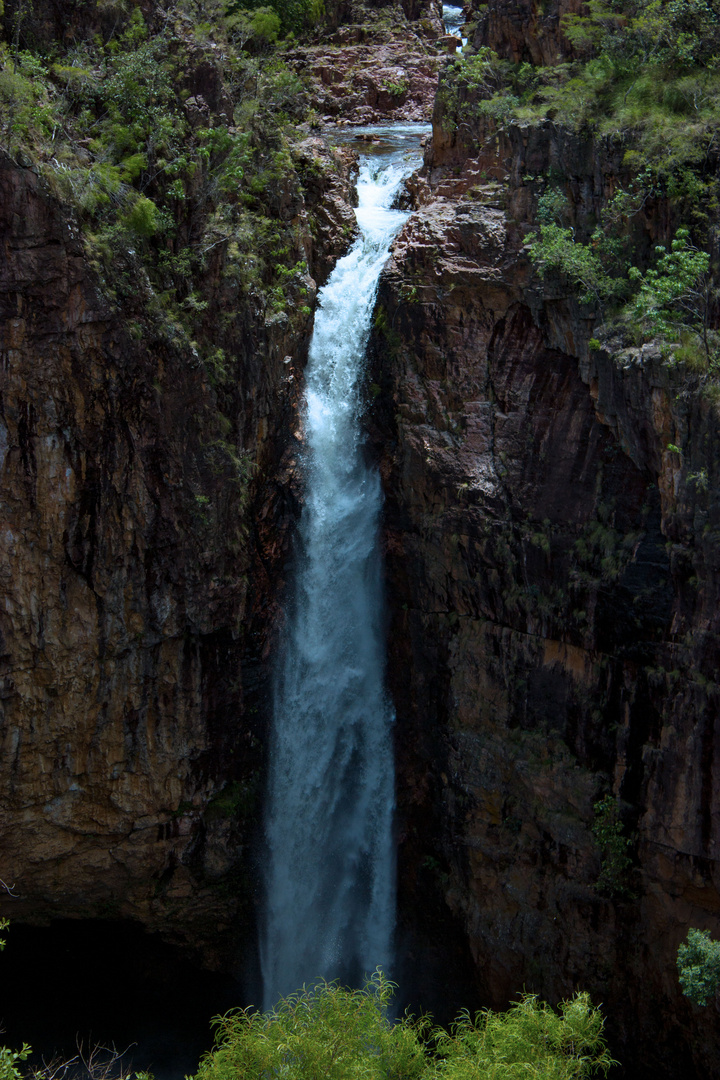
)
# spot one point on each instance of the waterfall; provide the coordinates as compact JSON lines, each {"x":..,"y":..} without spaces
{"x":329,"y":866}
{"x":454,"y":20}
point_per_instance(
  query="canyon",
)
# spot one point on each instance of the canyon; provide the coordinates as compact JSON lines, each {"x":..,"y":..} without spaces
{"x":550,"y":536}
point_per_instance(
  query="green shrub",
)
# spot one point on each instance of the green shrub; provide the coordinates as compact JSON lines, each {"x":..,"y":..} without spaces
{"x":259,"y":26}
{"x":325,"y":1032}
{"x":396,"y":89}
{"x":529,"y":1040}
{"x":698,"y":962}
{"x":9,"y":1061}
{"x":293,"y":15}
{"x":556,"y":249}
{"x":676,"y":294}
{"x":143,"y":218}
{"x":341,"y":1034}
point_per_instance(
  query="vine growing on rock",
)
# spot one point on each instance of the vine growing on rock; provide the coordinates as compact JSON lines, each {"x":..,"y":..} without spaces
{"x":610,"y":837}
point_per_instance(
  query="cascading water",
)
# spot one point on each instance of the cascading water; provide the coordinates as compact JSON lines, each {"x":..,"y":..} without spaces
{"x":454,"y":20}
{"x":330,"y":868}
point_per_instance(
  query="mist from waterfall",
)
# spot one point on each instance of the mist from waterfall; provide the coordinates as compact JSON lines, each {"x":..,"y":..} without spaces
{"x":329,"y":865}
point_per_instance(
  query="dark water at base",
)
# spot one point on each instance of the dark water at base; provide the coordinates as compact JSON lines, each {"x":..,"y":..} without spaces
{"x":109,"y":983}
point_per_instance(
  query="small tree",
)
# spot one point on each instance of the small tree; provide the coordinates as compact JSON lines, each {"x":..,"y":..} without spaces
{"x":530,"y":1040}
{"x":698,"y":962}
{"x":676,"y":293}
{"x":261,"y":24}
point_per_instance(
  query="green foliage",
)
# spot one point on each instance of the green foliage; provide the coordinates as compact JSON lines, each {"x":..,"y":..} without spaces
{"x":26,"y":115}
{"x":598,"y":269}
{"x":678,"y":34}
{"x":647,"y":72}
{"x":556,"y":249}
{"x":162,"y":186}
{"x":610,"y":838}
{"x":143,"y":218}
{"x":10,"y":1060}
{"x":292,"y":15}
{"x":672,"y":299}
{"x":676,"y":294}
{"x":552,"y":207}
{"x":325,"y":1032}
{"x":698,"y":961}
{"x":469,"y":77}
{"x":260,"y":26}
{"x":396,"y":89}
{"x":530,"y":1039}
{"x":341,"y":1034}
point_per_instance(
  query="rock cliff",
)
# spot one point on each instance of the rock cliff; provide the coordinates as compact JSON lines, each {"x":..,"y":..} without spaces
{"x":148,"y":396}
{"x":373,"y":64}
{"x":551,"y":537}
{"x":144,"y":535}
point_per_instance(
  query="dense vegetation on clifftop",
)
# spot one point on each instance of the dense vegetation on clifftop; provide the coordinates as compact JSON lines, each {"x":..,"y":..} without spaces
{"x":168,"y":132}
{"x":643,"y":78}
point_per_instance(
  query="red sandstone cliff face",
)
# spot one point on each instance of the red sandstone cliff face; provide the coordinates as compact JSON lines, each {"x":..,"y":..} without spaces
{"x":140,"y":562}
{"x":553,"y":583}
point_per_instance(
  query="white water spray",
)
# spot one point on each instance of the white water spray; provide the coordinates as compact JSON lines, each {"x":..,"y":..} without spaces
{"x":330,"y":867}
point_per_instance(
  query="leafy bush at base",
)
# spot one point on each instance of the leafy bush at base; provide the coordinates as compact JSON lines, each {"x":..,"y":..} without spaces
{"x":341,"y":1034}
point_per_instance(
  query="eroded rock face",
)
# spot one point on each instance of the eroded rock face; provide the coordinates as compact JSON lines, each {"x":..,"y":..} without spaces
{"x":380,"y":65}
{"x":552,"y":578}
{"x":140,"y":562}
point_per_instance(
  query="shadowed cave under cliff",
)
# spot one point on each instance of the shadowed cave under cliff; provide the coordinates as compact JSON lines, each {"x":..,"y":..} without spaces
{"x":111,"y":984}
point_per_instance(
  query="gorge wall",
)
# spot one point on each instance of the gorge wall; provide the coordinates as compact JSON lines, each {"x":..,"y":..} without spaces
{"x":147,"y":476}
{"x":551,"y":560}
{"x":145,"y":518}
